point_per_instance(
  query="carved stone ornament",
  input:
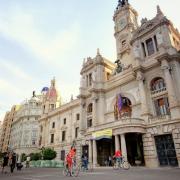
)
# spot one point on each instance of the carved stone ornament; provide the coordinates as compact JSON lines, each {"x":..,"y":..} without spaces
{"x":140,"y":76}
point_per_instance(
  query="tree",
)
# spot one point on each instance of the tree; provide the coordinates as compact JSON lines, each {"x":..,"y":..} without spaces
{"x":23,"y":157}
{"x":48,"y":154}
{"x":35,"y":156}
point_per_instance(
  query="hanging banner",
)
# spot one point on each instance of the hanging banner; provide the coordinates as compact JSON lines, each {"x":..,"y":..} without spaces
{"x":102,"y":134}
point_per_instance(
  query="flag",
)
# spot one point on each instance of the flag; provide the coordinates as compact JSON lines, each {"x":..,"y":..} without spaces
{"x":120,"y":102}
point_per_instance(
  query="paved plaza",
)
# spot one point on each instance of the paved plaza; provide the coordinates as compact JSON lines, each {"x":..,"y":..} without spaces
{"x":138,"y":173}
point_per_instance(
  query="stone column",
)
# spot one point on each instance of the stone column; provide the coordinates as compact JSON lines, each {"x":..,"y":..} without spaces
{"x":144,"y":105}
{"x":94,"y":153}
{"x":82,"y":117}
{"x":94,"y":113}
{"x":173,"y":103}
{"x":117,"y":145}
{"x":123,"y":146}
{"x":90,"y":151}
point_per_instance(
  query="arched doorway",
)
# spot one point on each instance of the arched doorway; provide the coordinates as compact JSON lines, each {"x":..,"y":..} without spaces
{"x":134,"y":145}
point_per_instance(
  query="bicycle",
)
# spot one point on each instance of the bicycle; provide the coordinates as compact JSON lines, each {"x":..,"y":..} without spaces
{"x":74,"y":171}
{"x":118,"y":164}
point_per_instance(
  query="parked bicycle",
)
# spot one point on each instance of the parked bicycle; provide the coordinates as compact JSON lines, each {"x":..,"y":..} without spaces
{"x":118,"y":164}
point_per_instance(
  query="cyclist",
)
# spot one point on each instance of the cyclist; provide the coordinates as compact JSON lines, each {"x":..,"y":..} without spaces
{"x":70,"y":157}
{"x":118,"y":156}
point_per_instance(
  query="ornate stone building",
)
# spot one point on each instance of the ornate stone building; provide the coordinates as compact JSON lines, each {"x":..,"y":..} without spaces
{"x":133,"y":105}
{"x":24,"y":130}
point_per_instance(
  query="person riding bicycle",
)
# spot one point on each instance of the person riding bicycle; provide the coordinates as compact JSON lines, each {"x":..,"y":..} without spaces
{"x":118,"y":156}
{"x":70,"y":157}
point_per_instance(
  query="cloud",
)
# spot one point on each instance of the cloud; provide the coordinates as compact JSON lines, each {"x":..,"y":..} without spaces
{"x":20,"y":26}
{"x":14,"y":70}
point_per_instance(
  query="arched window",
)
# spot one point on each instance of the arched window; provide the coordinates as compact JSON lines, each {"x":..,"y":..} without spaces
{"x":122,"y":107}
{"x":90,"y":108}
{"x":158,"y":85}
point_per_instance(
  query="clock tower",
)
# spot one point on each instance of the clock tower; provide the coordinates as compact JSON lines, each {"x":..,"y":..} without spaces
{"x":125,"y":19}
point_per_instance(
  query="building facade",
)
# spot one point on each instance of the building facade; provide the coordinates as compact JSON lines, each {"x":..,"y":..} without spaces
{"x":0,"y":136}
{"x":6,"y":129}
{"x":135,"y":101}
{"x":24,"y":130}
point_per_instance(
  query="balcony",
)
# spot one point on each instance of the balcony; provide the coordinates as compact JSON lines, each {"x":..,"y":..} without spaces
{"x":159,"y":119}
{"x":124,"y":123}
{"x":157,"y":91}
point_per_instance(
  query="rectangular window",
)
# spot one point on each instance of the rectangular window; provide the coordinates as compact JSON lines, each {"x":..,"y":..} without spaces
{"x":87,"y":80}
{"x":33,"y":142}
{"x":90,"y":79}
{"x":77,"y":117}
{"x":162,"y":106}
{"x":156,"y":44}
{"x":76,"y":132}
{"x":63,"y":135}
{"x":53,"y":125}
{"x":89,"y":123}
{"x":150,"y":46}
{"x":52,"y":106}
{"x":52,"y":138}
{"x":64,"y":121}
{"x":62,"y":155}
{"x":143,"y":48}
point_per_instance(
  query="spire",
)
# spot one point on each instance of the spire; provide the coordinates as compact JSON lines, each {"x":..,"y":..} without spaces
{"x":98,"y":52}
{"x":159,"y":12}
{"x":53,"y":82}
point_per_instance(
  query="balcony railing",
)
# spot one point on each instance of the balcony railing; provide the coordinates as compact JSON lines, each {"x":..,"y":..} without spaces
{"x":122,"y":123}
{"x":157,"y":119}
{"x":158,"y":90}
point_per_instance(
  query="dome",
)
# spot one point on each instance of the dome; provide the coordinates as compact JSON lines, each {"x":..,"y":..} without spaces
{"x":44,"y":89}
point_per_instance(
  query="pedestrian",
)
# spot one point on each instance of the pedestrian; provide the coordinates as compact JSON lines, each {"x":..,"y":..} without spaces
{"x":13,"y":162}
{"x":110,"y":161}
{"x":28,"y":162}
{"x":5,"y":163}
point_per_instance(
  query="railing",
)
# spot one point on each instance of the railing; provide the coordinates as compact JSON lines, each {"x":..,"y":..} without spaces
{"x":122,"y":123}
{"x":158,"y":90}
{"x":157,"y":119}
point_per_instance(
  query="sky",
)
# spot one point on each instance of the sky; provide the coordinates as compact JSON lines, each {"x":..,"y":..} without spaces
{"x":42,"y":39}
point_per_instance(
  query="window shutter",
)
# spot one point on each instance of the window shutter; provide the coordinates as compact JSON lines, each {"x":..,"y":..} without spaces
{"x":167,"y":105}
{"x":157,"y":108}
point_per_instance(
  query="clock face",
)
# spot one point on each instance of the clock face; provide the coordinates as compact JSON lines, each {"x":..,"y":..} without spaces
{"x":122,"y":23}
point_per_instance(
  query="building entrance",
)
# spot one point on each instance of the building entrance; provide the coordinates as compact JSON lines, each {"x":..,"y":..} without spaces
{"x":105,"y":149}
{"x":165,"y":150}
{"x":134,"y":148}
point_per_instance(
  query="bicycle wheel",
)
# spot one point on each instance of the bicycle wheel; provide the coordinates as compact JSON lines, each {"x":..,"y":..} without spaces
{"x":65,"y":171}
{"x":125,"y":165}
{"x":116,"y":166}
{"x":75,"y":171}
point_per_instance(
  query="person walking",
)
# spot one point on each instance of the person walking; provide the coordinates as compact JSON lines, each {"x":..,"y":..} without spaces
{"x":13,"y":162}
{"x":5,"y":163}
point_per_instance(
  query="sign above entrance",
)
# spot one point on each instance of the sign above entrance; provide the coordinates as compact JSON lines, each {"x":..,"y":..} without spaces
{"x":102,"y":134}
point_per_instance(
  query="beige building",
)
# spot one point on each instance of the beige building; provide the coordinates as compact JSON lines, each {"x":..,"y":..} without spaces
{"x":0,"y":136}
{"x":6,"y":129}
{"x":132,"y":105}
{"x":24,"y":130}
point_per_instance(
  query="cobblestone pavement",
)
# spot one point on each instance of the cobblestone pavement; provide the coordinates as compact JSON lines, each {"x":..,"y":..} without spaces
{"x":138,"y":173}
